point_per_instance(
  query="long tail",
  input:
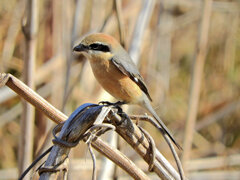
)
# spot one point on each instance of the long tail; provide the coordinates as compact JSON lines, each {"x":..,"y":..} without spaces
{"x":149,"y":107}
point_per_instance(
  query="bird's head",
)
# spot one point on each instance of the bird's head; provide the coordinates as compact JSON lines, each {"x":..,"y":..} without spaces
{"x":98,"y":45}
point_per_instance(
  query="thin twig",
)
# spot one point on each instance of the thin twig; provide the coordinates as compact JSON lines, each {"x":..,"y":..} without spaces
{"x":32,"y":97}
{"x":169,"y":142}
{"x":34,"y":163}
{"x":131,"y":133}
{"x":58,"y":117}
{"x":118,"y":9}
{"x":153,"y":148}
{"x":120,"y":159}
{"x":113,"y":154}
{"x":94,"y":174}
{"x":71,"y":132}
{"x":98,"y":131}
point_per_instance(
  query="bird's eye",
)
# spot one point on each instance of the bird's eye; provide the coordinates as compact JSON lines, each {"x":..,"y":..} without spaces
{"x":99,"y":47}
{"x":94,"y":46}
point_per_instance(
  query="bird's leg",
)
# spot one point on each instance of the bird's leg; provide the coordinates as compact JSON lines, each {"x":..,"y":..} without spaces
{"x":118,"y":103}
{"x":124,"y":119}
{"x":105,"y":103}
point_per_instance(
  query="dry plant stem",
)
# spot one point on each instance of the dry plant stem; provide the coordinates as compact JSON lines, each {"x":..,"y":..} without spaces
{"x":107,"y":169}
{"x":133,"y":135}
{"x":120,"y":159}
{"x":87,"y":16}
{"x":66,"y":51}
{"x":70,"y":133}
{"x":94,"y":132}
{"x":139,"y":29}
{"x":130,"y":10}
{"x":106,"y":20}
{"x":71,"y":88}
{"x":230,"y":46}
{"x":219,"y":114}
{"x":196,"y":80}
{"x":219,"y":162}
{"x":59,"y":49}
{"x":118,"y":9}
{"x":13,"y":30}
{"x":77,"y":26}
{"x":30,"y":29}
{"x":16,"y":110}
{"x":32,"y":97}
{"x":77,"y":21}
{"x":160,"y":158}
{"x":178,"y":162}
{"x":113,"y":154}
{"x":58,"y":117}
{"x":43,"y":74}
{"x":76,"y":129}
{"x":11,"y":114}
{"x":94,"y":174}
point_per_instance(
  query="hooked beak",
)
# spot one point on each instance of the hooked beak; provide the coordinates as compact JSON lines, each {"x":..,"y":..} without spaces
{"x":80,"y":48}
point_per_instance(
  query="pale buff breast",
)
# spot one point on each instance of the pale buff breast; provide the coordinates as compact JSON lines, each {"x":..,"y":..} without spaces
{"x":115,"y":82}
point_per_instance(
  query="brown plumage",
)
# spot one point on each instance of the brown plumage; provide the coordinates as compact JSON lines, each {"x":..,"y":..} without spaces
{"x":116,"y":72}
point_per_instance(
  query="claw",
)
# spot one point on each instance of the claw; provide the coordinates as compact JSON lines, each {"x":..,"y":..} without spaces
{"x":105,"y":103}
{"x":118,"y":103}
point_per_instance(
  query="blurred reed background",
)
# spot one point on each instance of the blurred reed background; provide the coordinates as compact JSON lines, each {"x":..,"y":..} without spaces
{"x":187,"y":51}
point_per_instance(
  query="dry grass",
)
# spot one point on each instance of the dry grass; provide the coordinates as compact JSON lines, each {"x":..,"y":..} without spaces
{"x":166,"y":56}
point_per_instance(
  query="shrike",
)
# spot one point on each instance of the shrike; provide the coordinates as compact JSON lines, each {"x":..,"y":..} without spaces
{"x":117,"y":73}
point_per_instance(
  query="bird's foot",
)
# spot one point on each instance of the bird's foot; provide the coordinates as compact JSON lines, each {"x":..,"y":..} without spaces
{"x":118,"y":103}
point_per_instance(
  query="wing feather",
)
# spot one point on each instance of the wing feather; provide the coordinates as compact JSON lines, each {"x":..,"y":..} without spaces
{"x":128,"y":68}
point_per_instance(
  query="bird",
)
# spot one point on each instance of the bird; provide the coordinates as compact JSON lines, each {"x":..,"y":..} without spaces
{"x":116,"y":72}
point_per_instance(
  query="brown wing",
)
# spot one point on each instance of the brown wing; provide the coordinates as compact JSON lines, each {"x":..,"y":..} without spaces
{"x":125,"y":64}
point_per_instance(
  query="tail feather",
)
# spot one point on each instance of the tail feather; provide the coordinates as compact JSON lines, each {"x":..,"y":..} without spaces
{"x":149,"y":107}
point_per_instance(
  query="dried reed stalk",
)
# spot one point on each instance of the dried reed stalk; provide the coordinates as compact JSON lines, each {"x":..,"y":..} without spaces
{"x":30,"y":29}
{"x":134,"y":138}
{"x":196,"y":80}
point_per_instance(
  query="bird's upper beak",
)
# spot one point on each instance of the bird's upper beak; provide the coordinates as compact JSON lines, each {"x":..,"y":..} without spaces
{"x":80,"y":48}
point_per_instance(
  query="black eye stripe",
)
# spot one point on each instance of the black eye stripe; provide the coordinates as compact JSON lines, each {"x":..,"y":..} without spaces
{"x":99,"y":47}
{"x":94,"y":46}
